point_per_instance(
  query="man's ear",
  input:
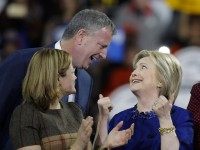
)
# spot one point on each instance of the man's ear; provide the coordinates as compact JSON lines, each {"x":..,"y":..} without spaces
{"x":79,"y":37}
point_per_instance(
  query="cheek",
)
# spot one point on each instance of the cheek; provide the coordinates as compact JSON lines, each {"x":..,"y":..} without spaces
{"x":152,"y":80}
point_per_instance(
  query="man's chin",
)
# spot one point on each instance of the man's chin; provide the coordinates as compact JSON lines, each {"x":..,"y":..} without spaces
{"x":85,"y":66}
{"x":73,"y":92}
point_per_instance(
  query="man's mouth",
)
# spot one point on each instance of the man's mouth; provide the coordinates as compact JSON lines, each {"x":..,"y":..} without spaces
{"x":94,"y":58}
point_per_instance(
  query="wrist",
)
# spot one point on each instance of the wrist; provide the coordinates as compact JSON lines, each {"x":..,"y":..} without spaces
{"x":168,"y":130}
{"x":105,"y":147}
{"x":78,"y":145}
{"x":165,"y":122}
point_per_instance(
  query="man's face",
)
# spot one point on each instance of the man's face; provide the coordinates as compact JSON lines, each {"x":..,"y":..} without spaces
{"x":91,"y":46}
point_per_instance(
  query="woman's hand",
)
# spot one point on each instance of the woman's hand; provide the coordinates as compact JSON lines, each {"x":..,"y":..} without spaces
{"x":162,"y":107}
{"x":118,"y":138}
{"x":104,"y":105}
{"x":84,"y":134}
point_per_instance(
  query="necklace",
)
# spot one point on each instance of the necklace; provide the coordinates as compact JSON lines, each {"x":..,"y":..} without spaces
{"x":144,"y":115}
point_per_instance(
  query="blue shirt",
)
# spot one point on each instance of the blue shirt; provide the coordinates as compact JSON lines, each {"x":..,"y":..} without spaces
{"x":146,"y":135}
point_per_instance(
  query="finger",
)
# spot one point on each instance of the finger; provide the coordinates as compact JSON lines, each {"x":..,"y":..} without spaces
{"x":132,"y":128}
{"x":171,"y":98}
{"x":110,"y":108}
{"x":87,"y":122}
{"x":118,"y":126}
{"x":100,"y":96}
{"x":167,"y":103}
{"x":88,"y":131}
{"x":128,"y":134}
{"x":163,"y":98}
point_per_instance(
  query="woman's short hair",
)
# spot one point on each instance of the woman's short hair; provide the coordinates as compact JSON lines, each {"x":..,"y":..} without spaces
{"x":40,"y":85}
{"x":169,"y":72}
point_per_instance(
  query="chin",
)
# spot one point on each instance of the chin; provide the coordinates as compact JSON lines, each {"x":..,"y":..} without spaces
{"x":73,"y":91}
{"x":133,"y":89}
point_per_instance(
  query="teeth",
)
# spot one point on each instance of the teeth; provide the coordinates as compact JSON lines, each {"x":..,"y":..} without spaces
{"x":136,"y":81}
{"x":93,"y":58}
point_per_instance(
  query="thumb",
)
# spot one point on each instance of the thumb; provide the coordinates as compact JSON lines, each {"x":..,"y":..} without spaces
{"x":118,"y":126}
{"x":100,"y":96}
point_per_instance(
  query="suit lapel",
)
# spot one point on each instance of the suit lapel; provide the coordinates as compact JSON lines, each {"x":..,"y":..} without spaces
{"x":83,"y":89}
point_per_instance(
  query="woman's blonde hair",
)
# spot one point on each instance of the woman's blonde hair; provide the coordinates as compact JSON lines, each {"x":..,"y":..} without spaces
{"x":40,"y":85}
{"x":169,"y":72}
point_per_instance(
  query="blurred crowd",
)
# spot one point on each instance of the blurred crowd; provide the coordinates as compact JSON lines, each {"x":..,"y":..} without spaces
{"x":141,"y":24}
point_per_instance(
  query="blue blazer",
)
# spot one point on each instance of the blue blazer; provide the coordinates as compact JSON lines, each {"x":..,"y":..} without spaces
{"x":12,"y":72}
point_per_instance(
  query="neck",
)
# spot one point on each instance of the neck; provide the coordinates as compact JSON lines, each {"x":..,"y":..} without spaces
{"x":66,"y":45}
{"x":55,"y":105}
{"x":145,"y":102}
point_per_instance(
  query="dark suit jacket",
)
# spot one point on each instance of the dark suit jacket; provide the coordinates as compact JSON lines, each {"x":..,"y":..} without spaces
{"x":12,"y":72}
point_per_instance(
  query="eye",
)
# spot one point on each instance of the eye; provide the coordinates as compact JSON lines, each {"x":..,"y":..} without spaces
{"x":144,"y":67}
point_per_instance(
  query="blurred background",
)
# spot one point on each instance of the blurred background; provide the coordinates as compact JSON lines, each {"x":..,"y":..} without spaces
{"x":168,"y":25}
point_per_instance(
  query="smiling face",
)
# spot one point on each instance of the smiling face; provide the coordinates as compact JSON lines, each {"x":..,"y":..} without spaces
{"x":91,"y":46}
{"x":67,"y":82}
{"x":143,"y":78}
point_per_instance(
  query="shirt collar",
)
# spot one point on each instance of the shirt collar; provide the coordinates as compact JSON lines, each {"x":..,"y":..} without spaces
{"x":57,"y":45}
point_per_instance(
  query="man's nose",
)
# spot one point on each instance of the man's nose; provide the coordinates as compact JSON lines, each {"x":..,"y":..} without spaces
{"x":103,"y":54}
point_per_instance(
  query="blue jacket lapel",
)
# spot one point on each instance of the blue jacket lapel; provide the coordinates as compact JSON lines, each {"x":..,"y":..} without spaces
{"x":83,"y":89}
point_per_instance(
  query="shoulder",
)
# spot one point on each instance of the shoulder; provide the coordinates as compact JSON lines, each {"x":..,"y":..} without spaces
{"x":24,"y":115}
{"x":73,"y":106}
{"x":123,"y":115}
{"x":18,"y":59}
{"x":23,"y":110}
{"x":176,"y":110}
{"x":21,"y":53}
{"x":180,"y":114}
{"x":74,"y":109}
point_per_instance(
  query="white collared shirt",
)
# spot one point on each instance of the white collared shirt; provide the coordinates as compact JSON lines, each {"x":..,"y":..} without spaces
{"x":71,"y":97}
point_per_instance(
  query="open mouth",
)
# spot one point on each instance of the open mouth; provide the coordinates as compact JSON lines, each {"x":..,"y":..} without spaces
{"x":136,"y":81}
{"x":94,"y":58}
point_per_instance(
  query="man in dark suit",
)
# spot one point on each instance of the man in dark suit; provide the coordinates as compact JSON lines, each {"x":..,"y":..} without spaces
{"x":86,"y":38}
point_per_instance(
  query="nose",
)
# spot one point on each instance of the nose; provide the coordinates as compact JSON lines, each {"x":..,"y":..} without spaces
{"x":134,"y":73}
{"x":75,"y":77}
{"x":103,"y":54}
